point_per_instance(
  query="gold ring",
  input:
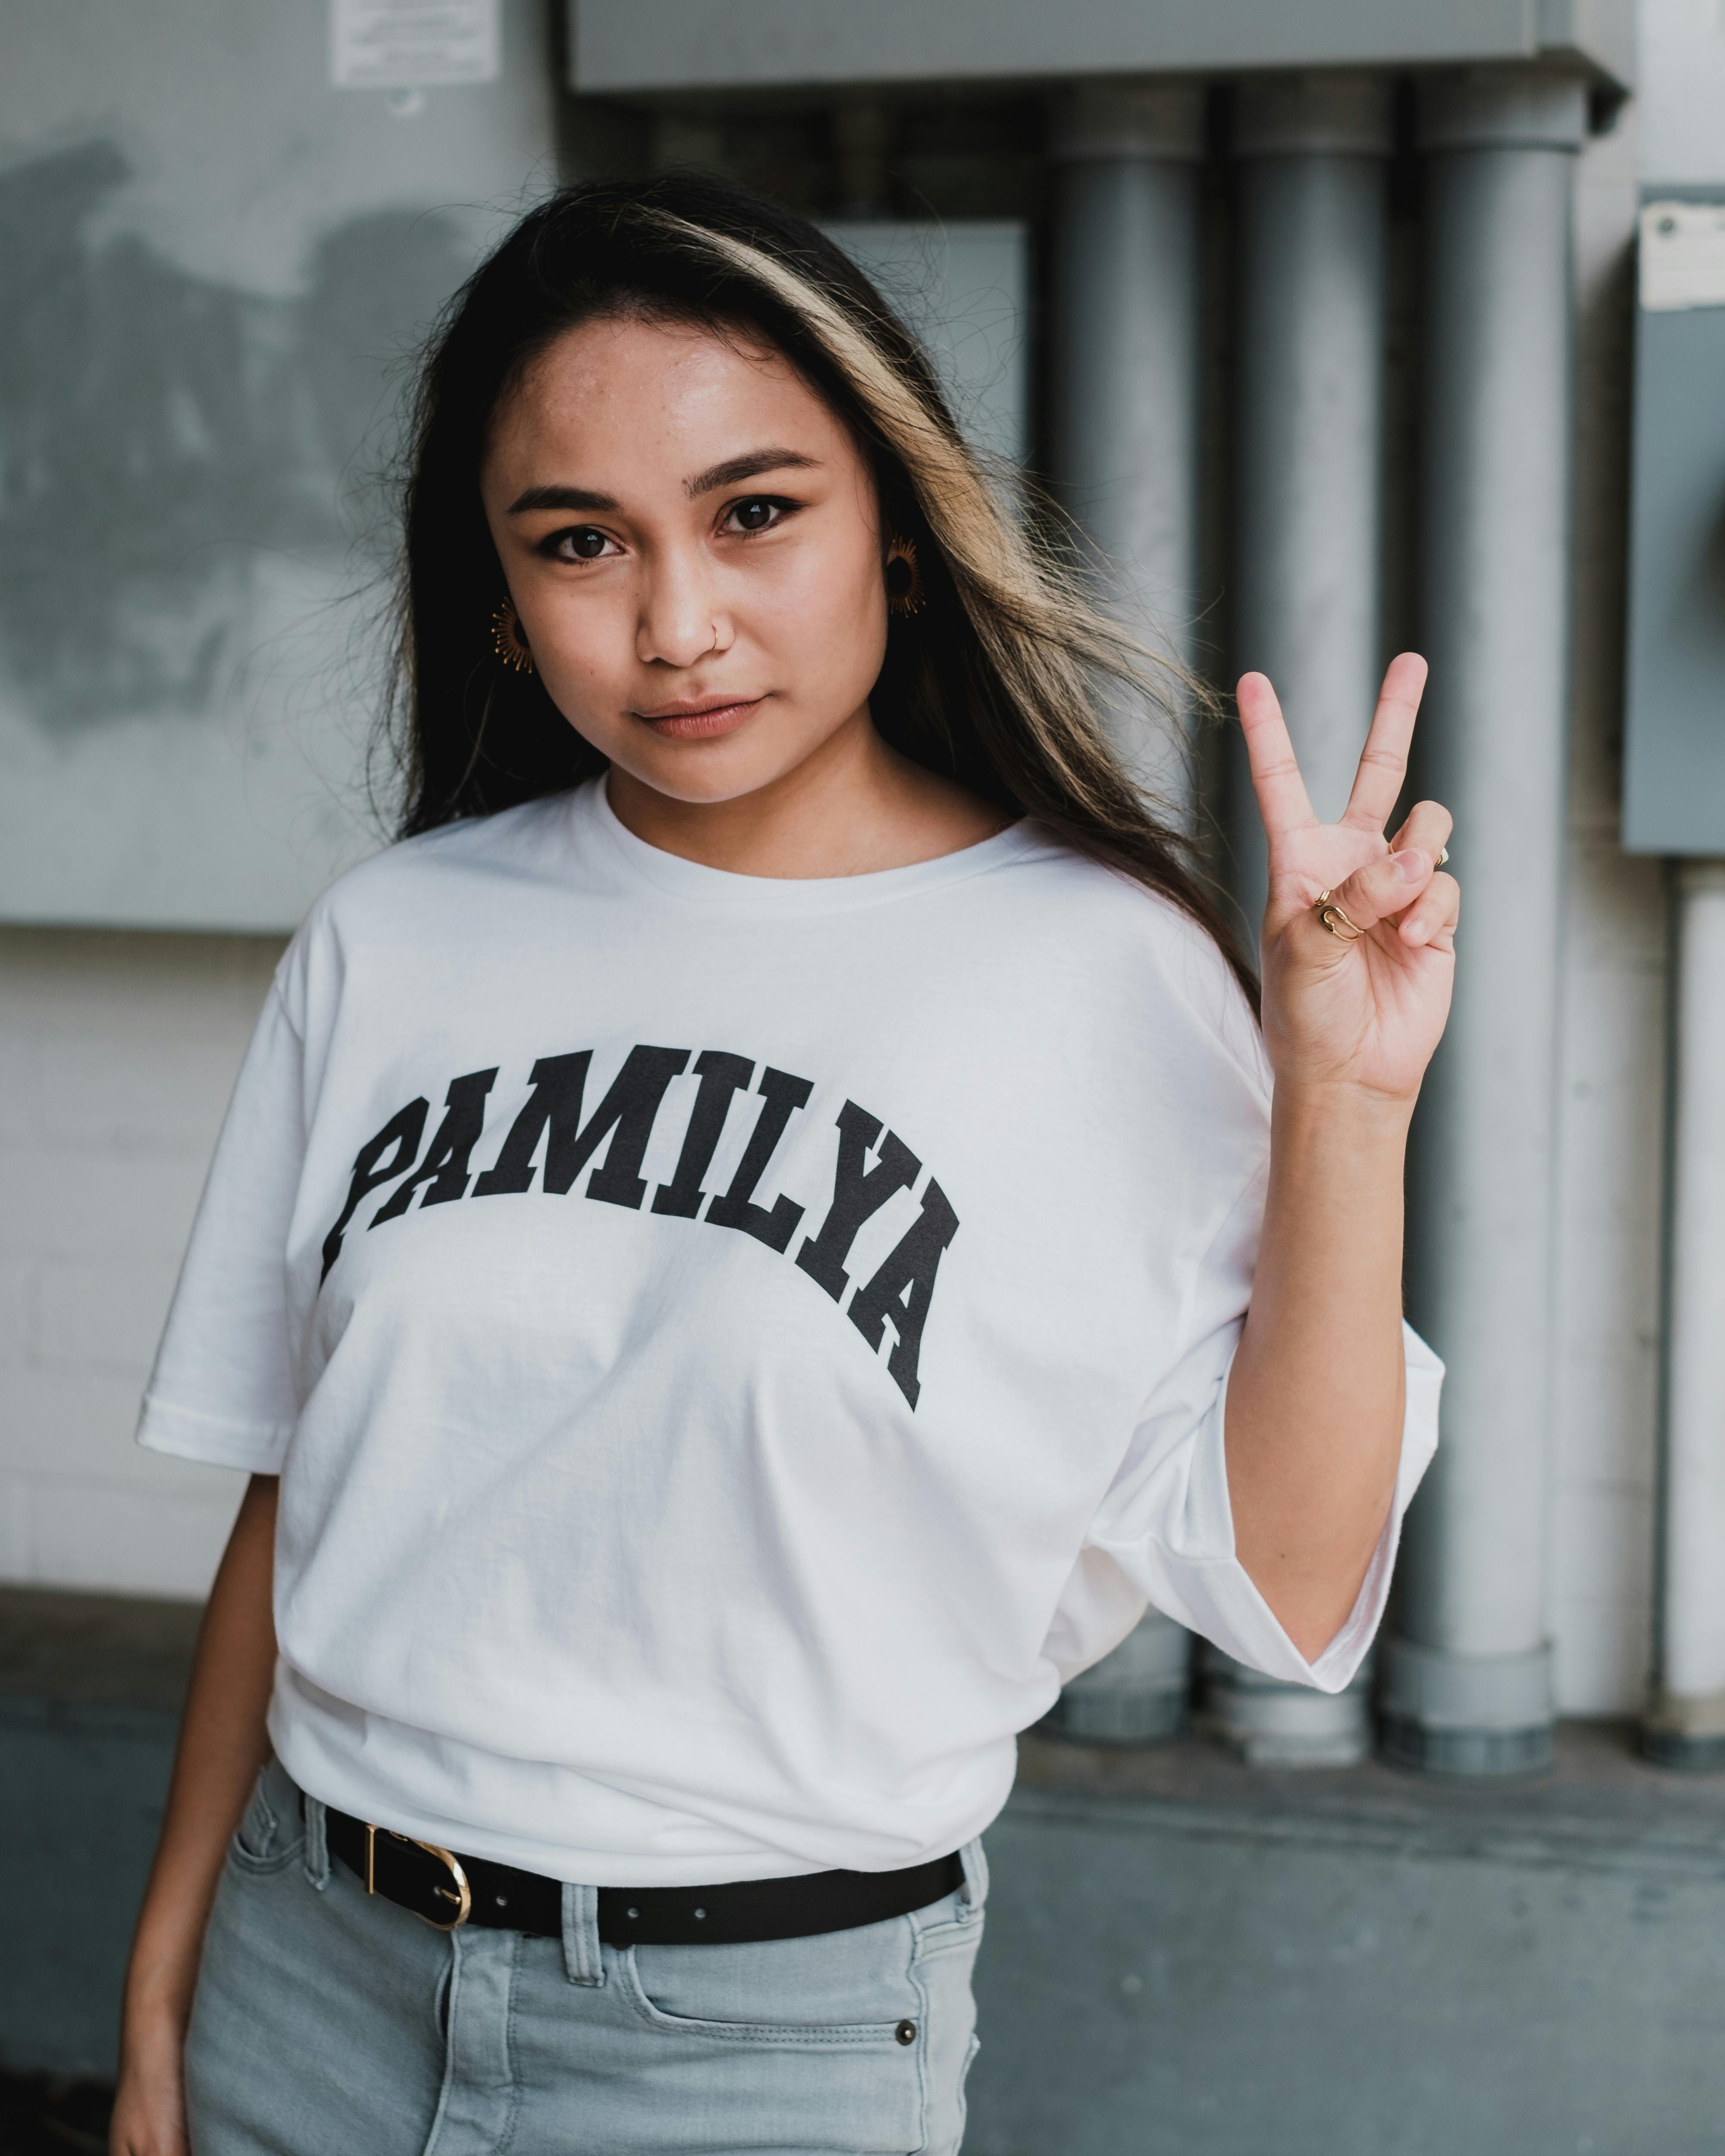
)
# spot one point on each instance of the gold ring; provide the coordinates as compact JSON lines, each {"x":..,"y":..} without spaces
{"x":1331,"y":914}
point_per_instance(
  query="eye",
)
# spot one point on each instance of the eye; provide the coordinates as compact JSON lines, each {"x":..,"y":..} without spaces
{"x":757,"y":512}
{"x":584,"y":543}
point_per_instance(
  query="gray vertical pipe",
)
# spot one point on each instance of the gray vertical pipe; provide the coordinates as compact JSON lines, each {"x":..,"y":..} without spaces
{"x":1124,"y":361}
{"x":1308,"y":576}
{"x":1309,"y":485}
{"x":1468,"y":1679}
{"x":1123,"y":350}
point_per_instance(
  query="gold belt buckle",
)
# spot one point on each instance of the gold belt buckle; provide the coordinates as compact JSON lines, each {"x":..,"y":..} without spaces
{"x":461,"y":1894}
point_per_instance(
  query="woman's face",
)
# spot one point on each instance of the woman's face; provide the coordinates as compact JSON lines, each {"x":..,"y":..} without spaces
{"x":693,"y":546}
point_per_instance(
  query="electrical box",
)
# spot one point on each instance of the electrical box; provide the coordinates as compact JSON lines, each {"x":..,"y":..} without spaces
{"x":1674,"y":761}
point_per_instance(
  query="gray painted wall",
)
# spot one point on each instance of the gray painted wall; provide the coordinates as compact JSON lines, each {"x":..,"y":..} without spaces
{"x":213,"y":269}
{"x":212,"y":265}
{"x":1343,"y":1972}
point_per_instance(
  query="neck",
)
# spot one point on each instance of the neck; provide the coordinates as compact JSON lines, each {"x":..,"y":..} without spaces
{"x":853,"y":806}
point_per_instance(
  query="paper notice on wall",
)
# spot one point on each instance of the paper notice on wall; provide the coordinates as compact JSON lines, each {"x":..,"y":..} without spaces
{"x":414,"y":44}
{"x":1683,"y":256}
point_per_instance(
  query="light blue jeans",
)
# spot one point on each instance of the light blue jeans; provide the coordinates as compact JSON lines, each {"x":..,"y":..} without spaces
{"x":330,"y":2024}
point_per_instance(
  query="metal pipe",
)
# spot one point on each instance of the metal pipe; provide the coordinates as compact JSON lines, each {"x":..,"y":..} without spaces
{"x":1124,"y":362}
{"x":1308,"y":550}
{"x":1468,"y":1679}
{"x":1137,"y":1695}
{"x":1123,"y":351}
{"x":1685,"y":1727}
{"x":1309,"y":514}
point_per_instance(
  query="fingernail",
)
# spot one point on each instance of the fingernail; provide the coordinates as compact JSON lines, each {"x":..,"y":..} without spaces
{"x":1411,"y":865}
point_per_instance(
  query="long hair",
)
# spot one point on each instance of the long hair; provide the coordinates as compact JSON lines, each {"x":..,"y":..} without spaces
{"x":994,"y":682}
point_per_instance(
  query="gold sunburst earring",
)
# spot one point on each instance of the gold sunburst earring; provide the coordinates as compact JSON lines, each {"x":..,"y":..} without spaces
{"x":507,"y":641}
{"x":904,"y":593}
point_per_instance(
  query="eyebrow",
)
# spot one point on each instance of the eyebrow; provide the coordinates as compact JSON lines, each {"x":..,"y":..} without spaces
{"x":731,"y":473}
{"x":735,"y":470}
{"x":561,"y":497}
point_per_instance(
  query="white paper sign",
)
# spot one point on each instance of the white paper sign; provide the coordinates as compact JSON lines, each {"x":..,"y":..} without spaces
{"x":414,"y":44}
{"x":1683,"y":256}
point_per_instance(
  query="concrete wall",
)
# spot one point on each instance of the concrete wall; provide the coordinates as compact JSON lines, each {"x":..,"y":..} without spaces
{"x":117,"y":1051}
{"x":1681,"y":91}
{"x":1352,"y":1964}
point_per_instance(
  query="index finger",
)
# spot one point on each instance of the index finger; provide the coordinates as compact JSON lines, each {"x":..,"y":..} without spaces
{"x":1282,"y":800}
{"x":1384,"y":761}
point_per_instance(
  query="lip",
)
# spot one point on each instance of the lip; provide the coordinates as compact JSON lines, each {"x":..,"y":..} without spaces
{"x":701,"y":718}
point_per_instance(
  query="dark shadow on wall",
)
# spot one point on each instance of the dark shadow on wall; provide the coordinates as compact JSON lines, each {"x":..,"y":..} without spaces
{"x":1703,"y":603}
{"x":160,"y":433}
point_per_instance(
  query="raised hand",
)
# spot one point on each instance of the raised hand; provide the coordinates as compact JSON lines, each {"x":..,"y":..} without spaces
{"x":1367,"y":1010}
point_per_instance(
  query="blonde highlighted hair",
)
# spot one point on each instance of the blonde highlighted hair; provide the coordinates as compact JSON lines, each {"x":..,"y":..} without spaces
{"x":997,"y":680}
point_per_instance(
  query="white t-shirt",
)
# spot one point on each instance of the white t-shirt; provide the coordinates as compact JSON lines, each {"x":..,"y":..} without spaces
{"x":732,"y":1346}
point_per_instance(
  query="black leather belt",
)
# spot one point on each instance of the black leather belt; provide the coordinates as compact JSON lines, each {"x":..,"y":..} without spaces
{"x":449,"y":1890}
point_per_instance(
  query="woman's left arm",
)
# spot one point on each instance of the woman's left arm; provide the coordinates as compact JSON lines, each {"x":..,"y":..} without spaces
{"x":1315,"y":1397}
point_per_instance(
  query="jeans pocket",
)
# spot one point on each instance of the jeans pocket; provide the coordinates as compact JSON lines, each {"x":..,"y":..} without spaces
{"x":815,"y":2044}
{"x":271,"y":1831}
{"x":777,"y":1992}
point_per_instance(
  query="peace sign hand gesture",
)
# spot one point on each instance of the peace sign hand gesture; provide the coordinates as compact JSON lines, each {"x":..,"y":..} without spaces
{"x":1361,"y":1011}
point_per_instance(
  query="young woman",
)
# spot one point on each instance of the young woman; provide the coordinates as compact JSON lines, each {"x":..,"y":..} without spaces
{"x":745,"y":1250}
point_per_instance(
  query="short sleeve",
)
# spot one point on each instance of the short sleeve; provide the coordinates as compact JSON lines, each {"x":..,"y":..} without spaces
{"x":222,"y":1389}
{"x":1167,"y":1523}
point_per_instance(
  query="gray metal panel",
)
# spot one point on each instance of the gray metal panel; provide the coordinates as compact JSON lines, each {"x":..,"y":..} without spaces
{"x":1674,"y":774}
{"x":620,"y":46}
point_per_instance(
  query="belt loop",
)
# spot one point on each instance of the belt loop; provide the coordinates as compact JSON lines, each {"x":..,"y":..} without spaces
{"x":317,"y":1844}
{"x":976,"y":1877}
{"x":584,"y":1957}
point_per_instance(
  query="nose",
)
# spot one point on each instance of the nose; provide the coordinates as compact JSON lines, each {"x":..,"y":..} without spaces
{"x":680,"y":618}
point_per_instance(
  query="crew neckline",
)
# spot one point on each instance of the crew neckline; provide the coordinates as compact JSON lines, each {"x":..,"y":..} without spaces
{"x":678,"y":877}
